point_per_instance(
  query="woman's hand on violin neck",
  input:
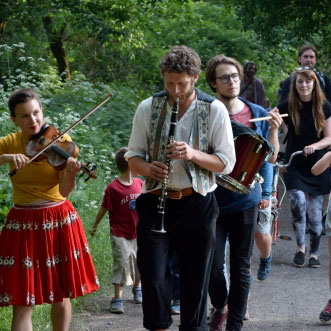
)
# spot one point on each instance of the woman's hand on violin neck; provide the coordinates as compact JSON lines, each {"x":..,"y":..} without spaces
{"x":73,"y":166}
{"x":19,"y":160}
{"x":67,"y":176}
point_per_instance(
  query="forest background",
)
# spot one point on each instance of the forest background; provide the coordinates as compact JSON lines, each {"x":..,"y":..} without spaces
{"x":75,"y":52}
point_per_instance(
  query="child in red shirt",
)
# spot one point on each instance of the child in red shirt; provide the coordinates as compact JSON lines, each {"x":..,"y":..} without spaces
{"x":120,"y":202}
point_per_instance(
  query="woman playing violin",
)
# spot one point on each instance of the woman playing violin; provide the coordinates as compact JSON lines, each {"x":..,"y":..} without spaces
{"x":44,"y":255}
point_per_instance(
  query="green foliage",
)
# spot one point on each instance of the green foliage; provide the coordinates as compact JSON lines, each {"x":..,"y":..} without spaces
{"x":21,"y":70}
{"x":5,"y":199}
{"x":210,"y":29}
{"x":282,"y":19}
{"x":284,"y":22}
{"x":5,"y":318}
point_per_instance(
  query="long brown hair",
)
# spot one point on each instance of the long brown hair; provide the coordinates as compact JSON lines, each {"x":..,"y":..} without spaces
{"x":295,"y":104}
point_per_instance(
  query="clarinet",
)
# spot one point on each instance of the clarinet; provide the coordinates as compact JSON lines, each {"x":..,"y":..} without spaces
{"x":159,"y":223}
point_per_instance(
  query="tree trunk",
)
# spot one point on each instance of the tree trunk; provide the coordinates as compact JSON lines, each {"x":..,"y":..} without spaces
{"x":55,"y":42}
{"x":2,"y":26}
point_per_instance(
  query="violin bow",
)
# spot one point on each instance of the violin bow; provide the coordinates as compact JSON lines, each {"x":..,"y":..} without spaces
{"x":103,"y":101}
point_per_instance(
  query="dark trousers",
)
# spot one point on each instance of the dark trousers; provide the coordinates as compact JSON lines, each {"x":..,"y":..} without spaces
{"x":174,"y":270}
{"x":190,"y":225}
{"x":239,"y":228}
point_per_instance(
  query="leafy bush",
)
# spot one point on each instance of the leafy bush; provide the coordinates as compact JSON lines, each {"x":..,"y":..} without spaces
{"x":5,"y":199}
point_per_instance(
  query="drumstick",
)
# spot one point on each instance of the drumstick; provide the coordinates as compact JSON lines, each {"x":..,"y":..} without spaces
{"x":265,"y":118}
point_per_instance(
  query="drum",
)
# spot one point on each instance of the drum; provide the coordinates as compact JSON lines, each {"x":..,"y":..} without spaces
{"x":251,"y":151}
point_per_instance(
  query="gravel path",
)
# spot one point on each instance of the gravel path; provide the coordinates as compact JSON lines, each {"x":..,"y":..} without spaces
{"x":290,"y":299}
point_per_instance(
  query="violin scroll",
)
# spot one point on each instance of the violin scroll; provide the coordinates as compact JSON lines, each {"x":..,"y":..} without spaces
{"x":90,"y":172}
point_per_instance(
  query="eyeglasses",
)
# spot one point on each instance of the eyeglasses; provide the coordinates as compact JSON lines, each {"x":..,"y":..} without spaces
{"x":226,"y":78}
{"x":304,"y":68}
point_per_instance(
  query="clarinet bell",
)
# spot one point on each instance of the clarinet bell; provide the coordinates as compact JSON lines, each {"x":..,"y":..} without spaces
{"x":159,"y":224}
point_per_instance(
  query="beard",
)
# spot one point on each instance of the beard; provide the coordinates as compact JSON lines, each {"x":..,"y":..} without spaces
{"x":189,"y":93}
{"x":228,"y":97}
{"x":184,"y":97}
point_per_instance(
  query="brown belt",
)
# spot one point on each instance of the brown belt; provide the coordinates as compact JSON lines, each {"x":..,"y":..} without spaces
{"x":175,"y":194}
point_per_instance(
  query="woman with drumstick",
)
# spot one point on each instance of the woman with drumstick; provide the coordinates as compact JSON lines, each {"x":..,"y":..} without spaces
{"x":309,"y":129}
{"x":43,"y":249}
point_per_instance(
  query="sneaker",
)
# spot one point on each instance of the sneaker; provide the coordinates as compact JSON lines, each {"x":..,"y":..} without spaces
{"x":299,"y":259}
{"x":116,"y":306}
{"x":314,"y":263}
{"x":175,"y":307}
{"x":217,"y":318}
{"x":137,"y":295}
{"x":325,"y":315}
{"x":264,"y":268}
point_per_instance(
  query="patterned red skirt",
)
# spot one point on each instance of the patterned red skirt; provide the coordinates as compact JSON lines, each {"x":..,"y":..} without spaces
{"x":44,"y":256}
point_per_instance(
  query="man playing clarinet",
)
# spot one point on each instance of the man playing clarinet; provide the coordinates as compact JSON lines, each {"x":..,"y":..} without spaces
{"x":202,"y":145}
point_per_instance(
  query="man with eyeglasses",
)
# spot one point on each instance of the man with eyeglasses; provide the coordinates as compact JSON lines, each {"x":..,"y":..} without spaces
{"x":251,"y":88}
{"x":238,"y":212}
{"x":307,"y":55}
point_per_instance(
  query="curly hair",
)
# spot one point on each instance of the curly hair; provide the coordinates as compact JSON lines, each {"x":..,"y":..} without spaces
{"x":180,"y":59}
{"x":21,"y":96}
{"x":215,"y":62}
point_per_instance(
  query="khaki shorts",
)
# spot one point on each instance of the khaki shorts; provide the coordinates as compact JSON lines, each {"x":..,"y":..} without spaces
{"x":124,"y":260}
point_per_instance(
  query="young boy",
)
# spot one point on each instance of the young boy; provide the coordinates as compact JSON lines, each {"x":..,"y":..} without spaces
{"x":319,"y":167}
{"x":120,"y":202}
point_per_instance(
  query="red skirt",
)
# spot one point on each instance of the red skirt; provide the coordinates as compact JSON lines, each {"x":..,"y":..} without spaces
{"x":44,"y":256}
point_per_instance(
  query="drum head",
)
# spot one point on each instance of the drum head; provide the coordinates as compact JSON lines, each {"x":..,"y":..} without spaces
{"x":231,"y":184}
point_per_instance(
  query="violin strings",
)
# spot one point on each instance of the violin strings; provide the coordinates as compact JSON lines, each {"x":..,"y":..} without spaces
{"x":61,"y":152}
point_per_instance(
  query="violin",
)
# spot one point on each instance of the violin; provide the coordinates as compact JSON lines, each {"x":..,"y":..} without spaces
{"x":41,"y":146}
{"x":58,"y":153}
{"x":47,"y":144}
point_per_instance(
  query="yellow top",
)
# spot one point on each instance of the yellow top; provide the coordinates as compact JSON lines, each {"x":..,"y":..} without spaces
{"x":38,"y":180}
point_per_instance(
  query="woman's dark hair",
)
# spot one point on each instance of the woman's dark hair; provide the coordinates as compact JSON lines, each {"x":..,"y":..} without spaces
{"x":180,"y":59}
{"x":120,"y":161}
{"x":21,"y":96}
{"x":214,"y":63}
{"x":295,"y":103}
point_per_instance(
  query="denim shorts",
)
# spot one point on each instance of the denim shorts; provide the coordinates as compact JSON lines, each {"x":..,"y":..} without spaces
{"x":264,"y":220}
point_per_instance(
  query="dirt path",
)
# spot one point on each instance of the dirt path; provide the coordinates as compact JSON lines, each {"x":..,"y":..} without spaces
{"x":290,"y":299}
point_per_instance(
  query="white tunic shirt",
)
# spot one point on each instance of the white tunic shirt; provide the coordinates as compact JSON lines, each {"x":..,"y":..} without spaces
{"x":220,"y":138}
